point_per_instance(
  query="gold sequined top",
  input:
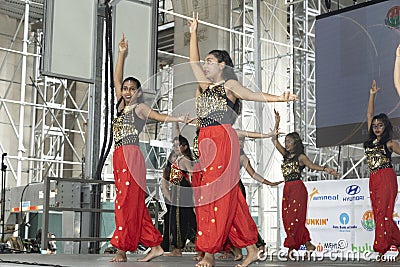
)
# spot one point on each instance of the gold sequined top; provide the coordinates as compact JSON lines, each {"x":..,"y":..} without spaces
{"x":378,"y":157}
{"x":177,"y":175}
{"x":196,"y":147}
{"x":213,"y":107}
{"x":126,"y":129}
{"x":291,"y":169}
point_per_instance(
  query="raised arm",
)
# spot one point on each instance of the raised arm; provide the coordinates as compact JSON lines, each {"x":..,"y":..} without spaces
{"x":304,"y":160}
{"x":396,"y":72}
{"x":177,"y":130}
{"x":245,"y":162}
{"x":241,"y":92}
{"x":371,"y":102}
{"x":194,"y":55}
{"x":119,"y":67}
{"x":274,"y":139}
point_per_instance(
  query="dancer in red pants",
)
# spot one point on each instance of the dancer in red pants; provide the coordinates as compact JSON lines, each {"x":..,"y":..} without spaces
{"x":294,"y":199}
{"x":132,"y":219}
{"x":222,"y":211}
{"x":382,"y":178}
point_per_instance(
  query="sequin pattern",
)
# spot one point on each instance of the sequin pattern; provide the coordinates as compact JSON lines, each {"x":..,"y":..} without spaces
{"x":176,"y":175}
{"x":291,"y":169}
{"x":212,"y":107}
{"x":196,"y":147}
{"x":377,"y":158}
{"x":126,"y":129}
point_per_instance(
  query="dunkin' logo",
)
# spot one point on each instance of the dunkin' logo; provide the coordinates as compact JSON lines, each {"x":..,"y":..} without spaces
{"x":392,"y":19}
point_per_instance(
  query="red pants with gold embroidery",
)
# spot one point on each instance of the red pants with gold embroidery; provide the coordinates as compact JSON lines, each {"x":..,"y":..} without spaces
{"x":221,"y":209}
{"x":132,"y":219}
{"x":383,"y":193}
{"x":294,"y":211}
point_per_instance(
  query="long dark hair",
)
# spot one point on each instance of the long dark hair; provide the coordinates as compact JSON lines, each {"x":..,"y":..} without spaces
{"x":387,"y":133}
{"x":139,"y":87}
{"x":184,"y":142}
{"x":298,"y":144}
{"x":228,"y":72}
{"x":167,"y":169}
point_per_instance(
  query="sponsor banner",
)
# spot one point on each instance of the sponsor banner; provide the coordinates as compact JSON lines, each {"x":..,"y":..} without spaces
{"x":339,"y":216}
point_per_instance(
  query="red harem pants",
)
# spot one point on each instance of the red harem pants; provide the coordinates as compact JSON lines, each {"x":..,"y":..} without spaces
{"x":132,"y":219}
{"x":383,"y":192}
{"x":294,"y":211}
{"x":221,"y":209}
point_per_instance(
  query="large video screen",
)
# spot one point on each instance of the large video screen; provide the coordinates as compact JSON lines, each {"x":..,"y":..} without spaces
{"x":355,"y":46}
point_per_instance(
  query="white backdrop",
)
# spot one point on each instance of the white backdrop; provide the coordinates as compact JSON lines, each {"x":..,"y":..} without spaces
{"x":339,"y":217}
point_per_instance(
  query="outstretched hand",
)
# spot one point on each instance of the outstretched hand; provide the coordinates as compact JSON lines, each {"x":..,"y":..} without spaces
{"x":185,"y":119}
{"x":374,"y":89}
{"x":277,"y":183}
{"x":287,"y":96}
{"x":123,"y":44}
{"x":193,"y":23}
{"x":332,"y":172}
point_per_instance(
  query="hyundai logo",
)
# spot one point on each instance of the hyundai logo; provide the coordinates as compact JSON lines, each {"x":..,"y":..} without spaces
{"x":353,"y":189}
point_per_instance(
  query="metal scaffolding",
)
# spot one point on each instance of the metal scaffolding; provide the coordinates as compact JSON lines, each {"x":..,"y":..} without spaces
{"x":303,"y":14}
{"x":49,"y":129}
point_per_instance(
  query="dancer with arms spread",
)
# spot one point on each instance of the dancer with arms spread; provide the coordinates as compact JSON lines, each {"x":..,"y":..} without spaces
{"x":221,"y":209}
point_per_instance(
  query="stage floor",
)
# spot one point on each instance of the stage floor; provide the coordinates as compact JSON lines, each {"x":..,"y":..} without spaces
{"x":86,"y":260}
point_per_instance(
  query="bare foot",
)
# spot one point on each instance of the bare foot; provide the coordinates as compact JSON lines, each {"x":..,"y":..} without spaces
{"x":309,"y":250}
{"x":310,"y":246}
{"x":207,"y":261}
{"x":174,"y":253}
{"x":251,"y":257}
{"x":199,"y":256}
{"x":225,"y":255}
{"x":119,"y":257}
{"x":262,"y":251}
{"x":379,"y":258}
{"x":237,"y":252}
{"x":154,"y":252}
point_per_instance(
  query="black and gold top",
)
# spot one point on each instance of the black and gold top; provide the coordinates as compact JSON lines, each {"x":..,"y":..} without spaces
{"x":213,"y":107}
{"x":291,"y":169}
{"x":126,"y":128}
{"x":378,"y":157}
{"x":196,"y":147}
{"x":177,"y":175}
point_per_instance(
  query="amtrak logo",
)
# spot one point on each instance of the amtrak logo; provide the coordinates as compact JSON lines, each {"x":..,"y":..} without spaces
{"x":353,"y":190}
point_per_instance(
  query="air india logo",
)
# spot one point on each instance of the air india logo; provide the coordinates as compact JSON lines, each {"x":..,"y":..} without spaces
{"x":367,"y":220}
{"x":392,"y":19}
